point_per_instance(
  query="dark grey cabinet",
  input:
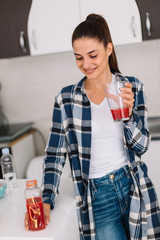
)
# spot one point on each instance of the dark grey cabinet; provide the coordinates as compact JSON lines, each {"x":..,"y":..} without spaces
{"x":150,"y":18}
{"x":13,"y":28}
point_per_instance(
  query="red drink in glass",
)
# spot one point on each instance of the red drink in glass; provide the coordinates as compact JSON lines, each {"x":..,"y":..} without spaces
{"x":119,"y":110}
{"x":120,"y":113}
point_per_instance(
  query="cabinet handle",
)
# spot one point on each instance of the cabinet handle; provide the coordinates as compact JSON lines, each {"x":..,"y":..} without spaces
{"x":133,"y":26}
{"x":148,"y":24}
{"x":34,"y":39}
{"x":22,"y":42}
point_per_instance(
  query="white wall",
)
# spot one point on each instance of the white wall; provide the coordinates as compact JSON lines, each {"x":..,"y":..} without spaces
{"x":143,"y":60}
{"x":29,"y":84}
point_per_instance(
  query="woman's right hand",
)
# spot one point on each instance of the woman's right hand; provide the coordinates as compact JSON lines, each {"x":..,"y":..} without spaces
{"x":46,"y":208}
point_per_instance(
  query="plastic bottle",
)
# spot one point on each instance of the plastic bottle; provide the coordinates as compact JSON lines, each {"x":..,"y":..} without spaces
{"x":34,"y":206}
{"x":8,"y":169}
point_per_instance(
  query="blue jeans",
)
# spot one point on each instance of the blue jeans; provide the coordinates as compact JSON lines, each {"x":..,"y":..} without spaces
{"x":111,"y":202}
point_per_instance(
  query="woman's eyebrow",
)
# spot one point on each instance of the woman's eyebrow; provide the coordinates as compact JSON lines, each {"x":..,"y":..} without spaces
{"x":77,"y":54}
{"x":92,"y":51}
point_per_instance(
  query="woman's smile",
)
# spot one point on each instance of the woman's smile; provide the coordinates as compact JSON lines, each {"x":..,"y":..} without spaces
{"x":89,"y":70}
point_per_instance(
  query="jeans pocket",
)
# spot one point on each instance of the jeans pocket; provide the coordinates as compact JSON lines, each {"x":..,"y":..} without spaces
{"x":125,"y":184}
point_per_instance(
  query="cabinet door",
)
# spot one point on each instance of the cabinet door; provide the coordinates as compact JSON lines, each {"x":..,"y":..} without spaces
{"x":122,"y":17}
{"x":13,"y":26}
{"x":150,"y":18}
{"x":23,"y":152}
{"x":50,"y":25}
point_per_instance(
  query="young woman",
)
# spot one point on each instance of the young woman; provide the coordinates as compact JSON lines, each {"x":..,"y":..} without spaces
{"x":115,"y":198}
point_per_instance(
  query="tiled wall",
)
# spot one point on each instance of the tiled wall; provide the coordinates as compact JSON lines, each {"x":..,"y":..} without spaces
{"x":29,"y":84}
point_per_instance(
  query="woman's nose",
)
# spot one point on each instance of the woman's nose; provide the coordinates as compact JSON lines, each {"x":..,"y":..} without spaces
{"x":86,"y":63}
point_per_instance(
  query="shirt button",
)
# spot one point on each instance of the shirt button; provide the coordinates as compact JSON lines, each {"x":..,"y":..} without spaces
{"x":112,"y":176}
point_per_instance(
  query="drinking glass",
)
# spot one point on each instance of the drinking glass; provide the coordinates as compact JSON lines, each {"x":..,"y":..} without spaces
{"x":119,"y":110}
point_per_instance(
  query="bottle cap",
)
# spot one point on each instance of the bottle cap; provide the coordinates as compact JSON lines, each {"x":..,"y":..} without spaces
{"x":5,"y":151}
{"x":31,"y":183}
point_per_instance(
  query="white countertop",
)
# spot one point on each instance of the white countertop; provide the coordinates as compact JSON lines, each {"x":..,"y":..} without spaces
{"x":63,"y":224}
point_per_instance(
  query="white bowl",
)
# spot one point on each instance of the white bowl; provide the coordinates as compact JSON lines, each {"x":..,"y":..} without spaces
{"x":3,"y":187}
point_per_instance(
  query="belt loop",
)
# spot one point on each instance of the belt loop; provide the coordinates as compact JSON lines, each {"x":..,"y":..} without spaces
{"x":126,"y":169}
{"x":93,"y":185}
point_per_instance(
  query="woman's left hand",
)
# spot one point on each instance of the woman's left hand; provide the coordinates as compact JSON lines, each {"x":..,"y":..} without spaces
{"x":128,"y":96}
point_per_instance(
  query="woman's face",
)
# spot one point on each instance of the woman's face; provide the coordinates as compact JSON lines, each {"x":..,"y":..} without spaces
{"x":92,"y":57}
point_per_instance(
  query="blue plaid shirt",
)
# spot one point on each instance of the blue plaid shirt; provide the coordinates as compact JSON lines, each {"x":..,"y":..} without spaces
{"x":71,"y":134}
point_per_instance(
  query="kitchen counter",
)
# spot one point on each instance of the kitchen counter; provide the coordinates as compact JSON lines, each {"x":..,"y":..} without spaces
{"x":154,"y":127}
{"x":63,"y":224}
{"x":10,"y":132}
{"x":151,"y":157}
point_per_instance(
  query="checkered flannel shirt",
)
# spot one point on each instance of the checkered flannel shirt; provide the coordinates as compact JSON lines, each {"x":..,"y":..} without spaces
{"x":71,"y":135}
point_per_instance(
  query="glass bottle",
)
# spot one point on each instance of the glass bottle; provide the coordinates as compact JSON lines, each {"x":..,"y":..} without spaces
{"x":34,"y":206}
{"x":8,"y":169}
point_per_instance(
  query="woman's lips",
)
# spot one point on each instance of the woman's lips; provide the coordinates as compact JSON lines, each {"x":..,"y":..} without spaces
{"x":89,"y":71}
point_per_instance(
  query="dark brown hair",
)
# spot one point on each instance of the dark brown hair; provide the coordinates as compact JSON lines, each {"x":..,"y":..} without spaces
{"x":95,"y":26}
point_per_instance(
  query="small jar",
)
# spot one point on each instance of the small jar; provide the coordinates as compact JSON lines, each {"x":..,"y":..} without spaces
{"x":34,"y":206}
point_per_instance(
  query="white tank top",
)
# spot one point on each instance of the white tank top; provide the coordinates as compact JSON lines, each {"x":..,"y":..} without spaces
{"x":107,"y":146}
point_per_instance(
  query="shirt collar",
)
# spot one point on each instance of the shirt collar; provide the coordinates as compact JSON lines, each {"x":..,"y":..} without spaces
{"x":79,"y":87}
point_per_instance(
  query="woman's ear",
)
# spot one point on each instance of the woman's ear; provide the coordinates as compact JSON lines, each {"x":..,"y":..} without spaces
{"x":109,"y":49}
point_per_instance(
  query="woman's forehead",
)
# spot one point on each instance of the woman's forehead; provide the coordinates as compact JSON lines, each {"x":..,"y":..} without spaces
{"x":87,"y":45}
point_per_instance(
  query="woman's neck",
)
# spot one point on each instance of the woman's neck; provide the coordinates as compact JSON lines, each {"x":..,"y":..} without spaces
{"x":98,"y":83}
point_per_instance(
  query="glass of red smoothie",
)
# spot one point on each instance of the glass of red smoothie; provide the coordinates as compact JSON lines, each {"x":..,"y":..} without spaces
{"x":119,"y":110}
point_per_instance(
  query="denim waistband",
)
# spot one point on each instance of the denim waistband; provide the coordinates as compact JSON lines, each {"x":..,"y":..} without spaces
{"x":113,"y":176}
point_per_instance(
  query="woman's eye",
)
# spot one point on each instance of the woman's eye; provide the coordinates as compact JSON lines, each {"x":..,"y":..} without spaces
{"x":93,"y":56}
{"x":79,"y":58}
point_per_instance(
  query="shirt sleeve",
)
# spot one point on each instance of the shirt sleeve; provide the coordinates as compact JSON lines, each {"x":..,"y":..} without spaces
{"x":55,"y":157}
{"x":136,"y":129}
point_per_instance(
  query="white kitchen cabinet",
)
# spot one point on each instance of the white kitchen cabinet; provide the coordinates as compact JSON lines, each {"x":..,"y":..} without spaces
{"x":23,"y":151}
{"x":51,"y":24}
{"x":122,"y":17}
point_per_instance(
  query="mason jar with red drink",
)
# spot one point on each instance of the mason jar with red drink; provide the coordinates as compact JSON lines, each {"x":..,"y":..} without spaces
{"x":34,"y":206}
